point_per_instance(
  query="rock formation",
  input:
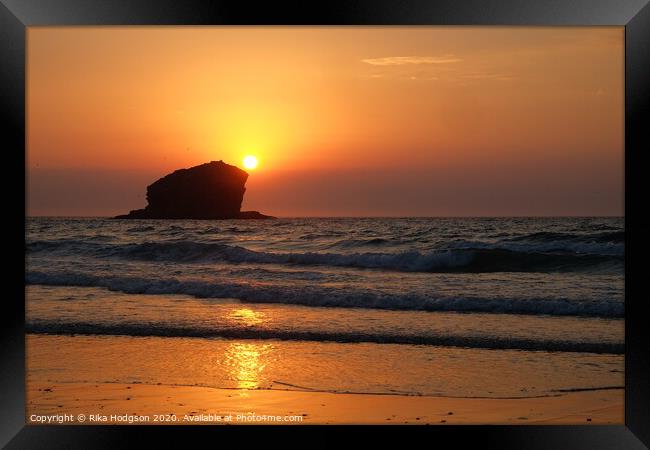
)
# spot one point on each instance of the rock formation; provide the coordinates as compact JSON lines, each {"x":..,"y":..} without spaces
{"x":214,"y":190}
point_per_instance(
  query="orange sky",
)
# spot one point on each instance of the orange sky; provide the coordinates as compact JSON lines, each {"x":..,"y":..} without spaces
{"x":344,"y":121}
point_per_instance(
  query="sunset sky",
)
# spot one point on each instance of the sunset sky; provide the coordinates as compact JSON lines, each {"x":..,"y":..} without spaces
{"x":357,"y":121}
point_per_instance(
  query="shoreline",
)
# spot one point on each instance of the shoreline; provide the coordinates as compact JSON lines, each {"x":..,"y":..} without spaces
{"x":117,"y":403}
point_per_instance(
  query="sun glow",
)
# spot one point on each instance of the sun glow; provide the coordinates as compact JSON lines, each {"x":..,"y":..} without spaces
{"x":246,"y":363}
{"x":250,"y":162}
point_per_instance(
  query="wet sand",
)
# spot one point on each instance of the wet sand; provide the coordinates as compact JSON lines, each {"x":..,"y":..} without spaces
{"x":110,"y":403}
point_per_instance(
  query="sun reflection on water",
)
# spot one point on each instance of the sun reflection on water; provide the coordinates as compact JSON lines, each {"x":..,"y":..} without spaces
{"x":247,"y":316}
{"x":245,"y":362}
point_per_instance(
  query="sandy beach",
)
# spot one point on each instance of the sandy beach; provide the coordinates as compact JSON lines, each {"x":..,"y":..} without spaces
{"x":154,"y":380}
{"x":200,"y":405}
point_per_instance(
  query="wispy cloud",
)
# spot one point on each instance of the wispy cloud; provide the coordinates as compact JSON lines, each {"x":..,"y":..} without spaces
{"x":435,"y":68}
{"x":404,"y":60}
{"x":488,"y":76}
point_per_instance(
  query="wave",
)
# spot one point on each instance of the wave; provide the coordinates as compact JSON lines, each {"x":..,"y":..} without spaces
{"x":329,"y":296}
{"x":371,"y":242}
{"x":609,"y":243}
{"x":601,"y":244}
{"x":462,"y":259}
{"x":546,"y":236}
{"x":165,"y":330}
{"x":142,"y":229}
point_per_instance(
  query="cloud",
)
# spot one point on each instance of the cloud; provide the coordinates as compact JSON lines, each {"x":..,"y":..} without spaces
{"x":404,"y":60}
{"x":489,"y":76}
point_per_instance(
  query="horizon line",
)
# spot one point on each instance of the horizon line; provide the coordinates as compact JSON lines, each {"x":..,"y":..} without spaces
{"x":357,"y":217}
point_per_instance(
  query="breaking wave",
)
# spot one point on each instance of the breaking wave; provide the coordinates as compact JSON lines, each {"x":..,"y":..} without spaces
{"x":460,"y":257}
{"x":324,"y":296}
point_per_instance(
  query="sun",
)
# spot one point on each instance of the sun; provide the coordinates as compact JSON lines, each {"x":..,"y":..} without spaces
{"x":250,"y":162}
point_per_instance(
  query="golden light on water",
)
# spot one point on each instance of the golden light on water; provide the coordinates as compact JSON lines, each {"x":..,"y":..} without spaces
{"x":247,"y":316}
{"x":245,"y":360}
{"x":245,"y":364}
{"x":250,"y":162}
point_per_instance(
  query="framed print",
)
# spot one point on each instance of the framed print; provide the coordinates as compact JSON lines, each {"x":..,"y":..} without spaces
{"x":412,"y":217}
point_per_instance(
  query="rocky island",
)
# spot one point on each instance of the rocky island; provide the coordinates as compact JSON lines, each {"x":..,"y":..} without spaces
{"x":213,"y":190}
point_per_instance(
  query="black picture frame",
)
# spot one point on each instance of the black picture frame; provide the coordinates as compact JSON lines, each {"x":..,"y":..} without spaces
{"x":16,"y":15}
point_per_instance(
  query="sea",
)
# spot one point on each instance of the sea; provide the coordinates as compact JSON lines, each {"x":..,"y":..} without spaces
{"x":459,"y":307}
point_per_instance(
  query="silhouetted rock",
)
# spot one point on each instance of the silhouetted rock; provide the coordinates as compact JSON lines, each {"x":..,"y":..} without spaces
{"x":253,"y":215}
{"x":214,"y":190}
